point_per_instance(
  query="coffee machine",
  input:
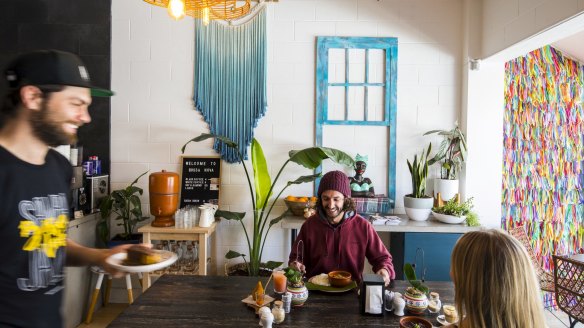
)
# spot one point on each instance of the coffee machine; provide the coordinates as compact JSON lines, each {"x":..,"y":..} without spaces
{"x":79,"y":201}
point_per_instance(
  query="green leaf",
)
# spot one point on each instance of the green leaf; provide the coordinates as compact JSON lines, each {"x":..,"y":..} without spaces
{"x":279,"y":218}
{"x":136,"y":181}
{"x":312,"y":157}
{"x":233,"y":254}
{"x":230,"y":215}
{"x":261,"y":175}
{"x":305,"y":178}
{"x":205,"y":136}
{"x":272,"y":264}
{"x":409,"y":272}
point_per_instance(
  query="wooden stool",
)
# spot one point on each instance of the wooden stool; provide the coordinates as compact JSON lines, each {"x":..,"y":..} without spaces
{"x":101,"y":273}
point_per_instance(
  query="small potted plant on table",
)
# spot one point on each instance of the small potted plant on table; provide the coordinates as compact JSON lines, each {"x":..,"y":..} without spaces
{"x":296,"y":286}
{"x":452,"y":212}
{"x":415,"y":296}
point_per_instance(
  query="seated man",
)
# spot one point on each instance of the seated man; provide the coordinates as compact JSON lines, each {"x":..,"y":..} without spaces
{"x":336,"y":237}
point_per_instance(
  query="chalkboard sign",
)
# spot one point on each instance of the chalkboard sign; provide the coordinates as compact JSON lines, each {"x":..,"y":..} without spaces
{"x":199,"y":180}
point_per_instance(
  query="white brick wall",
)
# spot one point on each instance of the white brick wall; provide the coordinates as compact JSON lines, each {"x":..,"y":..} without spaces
{"x":506,"y":22}
{"x":153,"y":116}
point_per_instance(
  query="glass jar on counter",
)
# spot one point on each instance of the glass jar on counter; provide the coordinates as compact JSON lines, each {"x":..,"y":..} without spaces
{"x":434,"y":303}
{"x":278,"y":311}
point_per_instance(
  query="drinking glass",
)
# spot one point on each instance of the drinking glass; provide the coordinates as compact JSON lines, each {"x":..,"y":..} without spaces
{"x":279,"y":281}
{"x":189,"y":259}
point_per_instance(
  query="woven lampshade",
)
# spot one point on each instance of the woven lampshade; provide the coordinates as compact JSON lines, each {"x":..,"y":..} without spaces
{"x":218,"y":9}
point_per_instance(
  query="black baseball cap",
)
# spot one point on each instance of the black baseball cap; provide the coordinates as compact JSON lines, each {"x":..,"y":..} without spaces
{"x":50,"y":67}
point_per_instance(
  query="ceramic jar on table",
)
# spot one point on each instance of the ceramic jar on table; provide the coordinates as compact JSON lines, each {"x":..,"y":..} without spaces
{"x":299,"y":293}
{"x":416,"y":301}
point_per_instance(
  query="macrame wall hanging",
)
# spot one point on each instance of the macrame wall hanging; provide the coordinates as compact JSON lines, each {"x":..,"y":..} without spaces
{"x":543,"y":152}
{"x":230,"y":79}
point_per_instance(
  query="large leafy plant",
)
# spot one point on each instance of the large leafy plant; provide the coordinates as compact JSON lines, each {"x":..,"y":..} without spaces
{"x":261,"y":195}
{"x":126,"y":204}
{"x":419,"y":173}
{"x":452,"y":152}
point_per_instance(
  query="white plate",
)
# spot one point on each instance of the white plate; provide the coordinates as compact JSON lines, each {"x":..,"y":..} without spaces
{"x":449,"y":218}
{"x":117,"y":261}
{"x":441,"y":320}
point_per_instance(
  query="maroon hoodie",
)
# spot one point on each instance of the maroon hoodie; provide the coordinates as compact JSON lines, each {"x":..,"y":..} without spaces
{"x":342,"y":247}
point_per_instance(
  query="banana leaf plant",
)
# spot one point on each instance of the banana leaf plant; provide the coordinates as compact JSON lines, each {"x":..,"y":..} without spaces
{"x":262,"y":190}
{"x":419,"y":173}
{"x":452,"y":152}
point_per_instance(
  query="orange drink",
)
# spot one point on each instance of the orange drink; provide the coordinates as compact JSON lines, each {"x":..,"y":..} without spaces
{"x":279,"y":281}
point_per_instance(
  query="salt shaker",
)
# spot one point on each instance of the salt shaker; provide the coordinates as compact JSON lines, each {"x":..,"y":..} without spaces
{"x":267,"y":319}
{"x":398,"y":305}
{"x":278,"y":312}
{"x":287,"y":299}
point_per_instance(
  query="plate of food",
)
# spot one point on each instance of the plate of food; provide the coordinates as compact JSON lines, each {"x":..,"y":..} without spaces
{"x":141,"y":259}
{"x":322,"y":283}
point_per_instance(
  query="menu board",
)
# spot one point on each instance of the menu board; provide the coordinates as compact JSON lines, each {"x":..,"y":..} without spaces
{"x":199,"y":180}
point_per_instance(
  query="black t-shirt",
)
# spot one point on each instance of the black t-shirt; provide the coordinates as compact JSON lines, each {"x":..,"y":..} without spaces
{"x":33,"y":227}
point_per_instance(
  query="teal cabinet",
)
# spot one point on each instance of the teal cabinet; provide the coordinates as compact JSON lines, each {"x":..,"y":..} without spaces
{"x":429,"y":250}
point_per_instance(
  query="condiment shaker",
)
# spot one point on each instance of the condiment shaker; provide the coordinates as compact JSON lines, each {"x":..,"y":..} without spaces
{"x":287,"y":300}
{"x":278,"y":312}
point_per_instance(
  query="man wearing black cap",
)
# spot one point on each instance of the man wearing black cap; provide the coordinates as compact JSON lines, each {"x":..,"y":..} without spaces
{"x":47,"y":100}
{"x":337,"y":238}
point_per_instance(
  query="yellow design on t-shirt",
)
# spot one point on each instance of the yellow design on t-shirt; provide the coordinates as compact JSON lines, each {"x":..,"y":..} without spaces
{"x":50,"y":236}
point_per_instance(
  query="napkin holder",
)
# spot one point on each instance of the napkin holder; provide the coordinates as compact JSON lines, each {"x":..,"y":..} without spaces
{"x":371,"y":296}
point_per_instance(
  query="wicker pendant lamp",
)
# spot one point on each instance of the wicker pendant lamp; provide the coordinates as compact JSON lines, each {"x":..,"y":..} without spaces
{"x":204,"y":9}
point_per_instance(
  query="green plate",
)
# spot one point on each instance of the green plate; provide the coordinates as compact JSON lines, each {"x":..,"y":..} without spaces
{"x":331,"y":289}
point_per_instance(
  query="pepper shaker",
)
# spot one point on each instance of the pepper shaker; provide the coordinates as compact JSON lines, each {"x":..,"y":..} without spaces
{"x":287,"y":299}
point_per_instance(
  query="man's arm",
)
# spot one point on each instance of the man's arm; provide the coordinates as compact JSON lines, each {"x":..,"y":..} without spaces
{"x":379,"y":256}
{"x":78,"y":255}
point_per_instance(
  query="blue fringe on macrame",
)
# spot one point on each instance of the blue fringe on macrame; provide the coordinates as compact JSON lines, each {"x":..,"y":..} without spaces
{"x":230,"y":80}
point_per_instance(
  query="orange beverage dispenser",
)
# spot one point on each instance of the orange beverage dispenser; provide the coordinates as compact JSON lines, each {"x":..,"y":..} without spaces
{"x":164,"y":189}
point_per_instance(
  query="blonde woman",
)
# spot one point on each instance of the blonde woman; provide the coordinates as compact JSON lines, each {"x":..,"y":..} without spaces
{"x":495,"y":282}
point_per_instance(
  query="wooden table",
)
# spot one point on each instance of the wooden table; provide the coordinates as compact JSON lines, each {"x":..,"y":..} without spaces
{"x":195,"y":234}
{"x":215,"y":301}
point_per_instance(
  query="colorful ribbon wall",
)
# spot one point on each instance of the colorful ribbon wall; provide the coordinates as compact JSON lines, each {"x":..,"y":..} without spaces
{"x":543,"y":152}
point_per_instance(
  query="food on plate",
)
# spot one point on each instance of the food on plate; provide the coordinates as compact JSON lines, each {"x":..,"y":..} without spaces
{"x":141,"y":255}
{"x":321,"y":279}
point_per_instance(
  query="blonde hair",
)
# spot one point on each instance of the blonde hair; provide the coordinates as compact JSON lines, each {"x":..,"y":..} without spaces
{"x":495,"y":283}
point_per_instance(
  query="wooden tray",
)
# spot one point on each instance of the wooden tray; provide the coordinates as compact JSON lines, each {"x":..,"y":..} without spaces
{"x":251,"y":303}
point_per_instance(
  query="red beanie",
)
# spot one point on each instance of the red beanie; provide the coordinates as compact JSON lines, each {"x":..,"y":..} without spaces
{"x":335,"y":180}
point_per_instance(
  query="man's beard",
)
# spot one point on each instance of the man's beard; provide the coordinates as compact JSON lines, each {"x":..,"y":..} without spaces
{"x":49,"y":131}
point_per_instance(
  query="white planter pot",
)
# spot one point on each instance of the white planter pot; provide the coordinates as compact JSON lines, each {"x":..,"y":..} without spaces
{"x":418,"y":209}
{"x":447,"y":188}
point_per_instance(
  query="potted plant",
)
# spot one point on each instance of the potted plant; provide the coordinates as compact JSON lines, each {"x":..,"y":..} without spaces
{"x":453,"y":212}
{"x":417,"y":204}
{"x":296,"y":286}
{"x":261,"y":196}
{"x":126,"y":204}
{"x":415,"y":296}
{"x":452,"y":153}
